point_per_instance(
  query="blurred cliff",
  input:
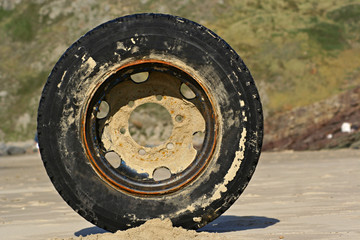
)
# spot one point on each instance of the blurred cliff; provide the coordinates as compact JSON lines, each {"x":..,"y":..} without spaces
{"x":304,"y":56}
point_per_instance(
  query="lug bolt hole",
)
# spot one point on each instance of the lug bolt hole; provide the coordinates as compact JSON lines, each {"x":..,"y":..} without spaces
{"x":179,"y":118}
{"x":170,"y":146}
{"x":122,"y":130}
{"x":142,"y":152}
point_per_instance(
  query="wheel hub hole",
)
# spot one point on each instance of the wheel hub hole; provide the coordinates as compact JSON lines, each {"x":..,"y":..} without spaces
{"x":113,"y":158}
{"x":103,"y":110}
{"x":198,"y":140}
{"x":140,"y":77}
{"x":161,"y":173}
{"x":150,"y":125}
{"x":187,"y":92}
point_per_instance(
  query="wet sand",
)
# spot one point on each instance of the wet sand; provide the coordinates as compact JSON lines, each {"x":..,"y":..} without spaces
{"x":293,"y":195}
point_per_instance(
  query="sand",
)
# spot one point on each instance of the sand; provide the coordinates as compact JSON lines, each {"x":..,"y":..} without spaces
{"x":155,"y":229}
{"x":293,"y":196}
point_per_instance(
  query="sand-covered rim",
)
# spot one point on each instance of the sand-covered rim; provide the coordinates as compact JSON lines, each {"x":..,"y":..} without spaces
{"x":155,"y":229}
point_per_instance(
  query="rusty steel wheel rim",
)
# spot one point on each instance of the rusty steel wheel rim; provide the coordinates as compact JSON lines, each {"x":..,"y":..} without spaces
{"x":149,"y":170}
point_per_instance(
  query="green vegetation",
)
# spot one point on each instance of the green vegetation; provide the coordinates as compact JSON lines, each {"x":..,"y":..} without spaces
{"x":329,"y":36}
{"x":4,"y":13}
{"x":23,"y":106}
{"x":20,"y":29}
{"x":299,"y":52}
{"x":348,"y":14}
{"x":31,"y":83}
{"x":23,"y":24}
{"x":349,"y":18}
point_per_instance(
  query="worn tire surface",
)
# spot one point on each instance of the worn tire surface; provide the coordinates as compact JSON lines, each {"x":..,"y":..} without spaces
{"x":184,"y":44}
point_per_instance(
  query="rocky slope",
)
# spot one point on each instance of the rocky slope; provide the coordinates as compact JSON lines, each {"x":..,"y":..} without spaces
{"x":332,"y":123}
{"x":299,"y":52}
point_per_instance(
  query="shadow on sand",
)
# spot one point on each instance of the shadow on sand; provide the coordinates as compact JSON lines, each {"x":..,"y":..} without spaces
{"x":238,"y":223}
{"x":88,"y":231}
{"x":221,"y":224}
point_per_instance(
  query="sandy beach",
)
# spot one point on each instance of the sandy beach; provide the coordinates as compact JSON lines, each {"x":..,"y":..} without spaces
{"x":293,"y":195}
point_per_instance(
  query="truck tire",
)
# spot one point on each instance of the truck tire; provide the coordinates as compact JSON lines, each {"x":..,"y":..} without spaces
{"x":85,"y":139}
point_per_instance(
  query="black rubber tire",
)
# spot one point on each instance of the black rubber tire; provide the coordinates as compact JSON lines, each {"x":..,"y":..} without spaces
{"x":240,"y":130}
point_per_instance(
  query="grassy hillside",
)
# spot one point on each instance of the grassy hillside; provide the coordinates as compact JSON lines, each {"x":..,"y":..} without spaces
{"x":299,"y":52}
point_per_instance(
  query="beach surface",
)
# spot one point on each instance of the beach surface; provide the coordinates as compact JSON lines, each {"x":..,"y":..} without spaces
{"x":292,"y":195}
